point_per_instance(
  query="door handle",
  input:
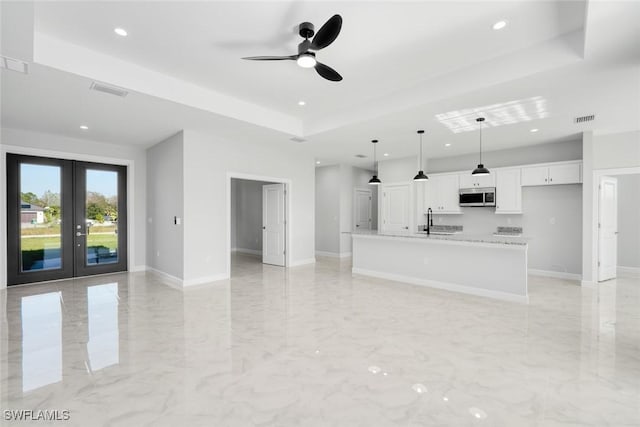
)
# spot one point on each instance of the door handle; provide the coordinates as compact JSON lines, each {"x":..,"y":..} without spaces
{"x":264,"y":227}
{"x":80,"y":234}
{"x":357,"y":225}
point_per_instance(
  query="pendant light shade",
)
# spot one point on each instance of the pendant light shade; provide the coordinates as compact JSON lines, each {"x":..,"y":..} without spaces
{"x":480,"y":170}
{"x":374,"y":180}
{"x":420,"y":176}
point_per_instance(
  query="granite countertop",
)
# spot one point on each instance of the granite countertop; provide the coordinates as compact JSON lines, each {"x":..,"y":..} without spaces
{"x":460,"y":237}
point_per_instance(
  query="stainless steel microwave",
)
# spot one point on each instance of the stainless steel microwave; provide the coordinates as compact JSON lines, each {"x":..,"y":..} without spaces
{"x":478,"y":196}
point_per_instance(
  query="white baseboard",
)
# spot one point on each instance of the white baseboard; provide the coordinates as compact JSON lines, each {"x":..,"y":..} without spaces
{"x":554,"y":274}
{"x":181,"y":283}
{"x":302,"y":262}
{"x":206,"y":279}
{"x":334,"y":254}
{"x":587,"y":283}
{"x":633,"y":272}
{"x":247,"y":251}
{"x":443,"y":285}
{"x":138,"y":268}
{"x":165,"y":277}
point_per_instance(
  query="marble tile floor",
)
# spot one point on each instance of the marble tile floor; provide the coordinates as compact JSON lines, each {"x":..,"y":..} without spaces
{"x":314,"y":346}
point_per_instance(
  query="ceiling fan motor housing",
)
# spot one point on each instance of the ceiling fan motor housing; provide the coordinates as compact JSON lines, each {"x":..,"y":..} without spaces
{"x":306,"y":30}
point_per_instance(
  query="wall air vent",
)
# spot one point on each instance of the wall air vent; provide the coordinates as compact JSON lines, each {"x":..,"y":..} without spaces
{"x":14,"y":65}
{"x":584,"y":119}
{"x":361,"y":156}
{"x":298,"y":139}
{"x":111,"y":90}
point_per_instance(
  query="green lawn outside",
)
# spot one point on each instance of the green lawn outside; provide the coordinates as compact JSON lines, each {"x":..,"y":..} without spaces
{"x":35,"y":243}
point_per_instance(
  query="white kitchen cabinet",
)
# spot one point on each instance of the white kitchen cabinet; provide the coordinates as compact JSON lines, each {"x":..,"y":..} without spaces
{"x":478,"y":181}
{"x":568,"y":173}
{"x":508,"y":191}
{"x":562,"y":173}
{"x":441,"y":194}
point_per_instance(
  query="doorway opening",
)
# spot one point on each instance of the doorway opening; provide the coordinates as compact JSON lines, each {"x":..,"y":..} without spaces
{"x":65,"y":219}
{"x":618,"y":231}
{"x":258,"y":226}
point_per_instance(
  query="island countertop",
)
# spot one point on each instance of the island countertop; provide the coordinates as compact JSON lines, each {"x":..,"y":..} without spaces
{"x":458,"y":237}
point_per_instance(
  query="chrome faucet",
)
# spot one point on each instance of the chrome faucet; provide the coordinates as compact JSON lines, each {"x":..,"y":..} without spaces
{"x":429,"y":221}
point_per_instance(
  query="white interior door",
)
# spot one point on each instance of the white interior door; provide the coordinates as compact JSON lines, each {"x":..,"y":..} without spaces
{"x":608,"y":229}
{"x":395,"y":211}
{"x":273,"y":224}
{"x":362,"y":209}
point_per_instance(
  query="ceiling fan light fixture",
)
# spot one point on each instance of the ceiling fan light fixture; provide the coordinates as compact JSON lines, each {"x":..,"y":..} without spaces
{"x":307,"y":60}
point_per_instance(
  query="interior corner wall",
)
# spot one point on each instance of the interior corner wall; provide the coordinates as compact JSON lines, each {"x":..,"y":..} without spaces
{"x":209,"y":161}
{"x":234,"y":214}
{"x":351,"y":178}
{"x":628,"y":224}
{"x":327,"y":198}
{"x":85,"y":149}
{"x":165,"y":202}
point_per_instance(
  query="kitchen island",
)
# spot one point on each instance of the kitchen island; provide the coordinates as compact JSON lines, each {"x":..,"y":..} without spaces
{"x":488,"y":266}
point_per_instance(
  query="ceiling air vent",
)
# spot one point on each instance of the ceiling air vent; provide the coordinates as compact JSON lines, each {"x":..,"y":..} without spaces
{"x":111,"y":90}
{"x":298,"y":139}
{"x":584,"y":119}
{"x":360,"y":156}
{"x":14,"y":65}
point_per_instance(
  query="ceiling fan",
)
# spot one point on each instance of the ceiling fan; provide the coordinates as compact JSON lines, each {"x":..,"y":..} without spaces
{"x":305,"y":57}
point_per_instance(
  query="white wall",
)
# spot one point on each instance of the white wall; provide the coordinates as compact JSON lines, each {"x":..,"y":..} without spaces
{"x":327,"y":226}
{"x":628,"y":223}
{"x":247,"y":214}
{"x":45,"y":144}
{"x":335,"y":187}
{"x":208,"y":161}
{"x":602,"y":154}
{"x":165,"y":200}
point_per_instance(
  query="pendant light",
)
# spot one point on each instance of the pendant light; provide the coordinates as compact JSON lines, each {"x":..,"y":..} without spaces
{"x":374,"y":180}
{"x":421,"y":176}
{"x":480,"y":170}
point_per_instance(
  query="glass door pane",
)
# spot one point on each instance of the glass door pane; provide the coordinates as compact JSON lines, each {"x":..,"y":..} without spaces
{"x":101,"y":213}
{"x":40,"y":217}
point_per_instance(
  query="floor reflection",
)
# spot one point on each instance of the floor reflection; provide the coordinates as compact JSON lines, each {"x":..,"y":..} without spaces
{"x":103,"y":346}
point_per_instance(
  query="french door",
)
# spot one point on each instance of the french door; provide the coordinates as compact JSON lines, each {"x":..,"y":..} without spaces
{"x":64,"y":219}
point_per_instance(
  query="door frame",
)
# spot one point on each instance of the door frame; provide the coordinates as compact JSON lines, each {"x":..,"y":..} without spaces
{"x":288,"y":188}
{"x":64,"y":155}
{"x":595,"y":208}
{"x":355,"y":205}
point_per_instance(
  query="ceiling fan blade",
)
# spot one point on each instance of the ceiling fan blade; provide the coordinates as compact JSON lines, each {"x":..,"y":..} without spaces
{"x":328,"y":72}
{"x":327,"y":33}
{"x":270,"y":58}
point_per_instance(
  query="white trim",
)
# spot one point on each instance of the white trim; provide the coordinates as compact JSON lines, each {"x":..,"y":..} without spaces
{"x":288,"y":186}
{"x":587,"y":283}
{"x":633,"y":272}
{"x":247,"y":251}
{"x":165,"y":277}
{"x":65,"y":155}
{"x":334,"y":254}
{"x":554,"y":274}
{"x":204,"y":280}
{"x":443,"y":285}
{"x":138,"y":268}
{"x":303,"y":262}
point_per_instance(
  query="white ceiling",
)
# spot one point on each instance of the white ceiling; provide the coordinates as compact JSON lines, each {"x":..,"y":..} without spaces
{"x":402,"y":63}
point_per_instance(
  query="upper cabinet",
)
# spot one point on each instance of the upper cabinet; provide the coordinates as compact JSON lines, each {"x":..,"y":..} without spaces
{"x":441,"y":194}
{"x":562,"y":173}
{"x":508,"y":191}
{"x":469,"y":181}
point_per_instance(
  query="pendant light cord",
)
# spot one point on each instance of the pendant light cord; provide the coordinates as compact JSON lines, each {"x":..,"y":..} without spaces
{"x":375,"y":164}
{"x":421,"y":152}
{"x":480,"y":142}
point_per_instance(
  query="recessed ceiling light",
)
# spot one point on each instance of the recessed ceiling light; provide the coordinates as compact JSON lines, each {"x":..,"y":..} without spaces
{"x":534,"y":130}
{"x":301,"y":103}
{"x":499,"y":25}
{"x":317,"y":162}
{"x":386,"y":154}
{"x":120,"y":31}
{"x":447,"y":145}
{"x":84,"y":127}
